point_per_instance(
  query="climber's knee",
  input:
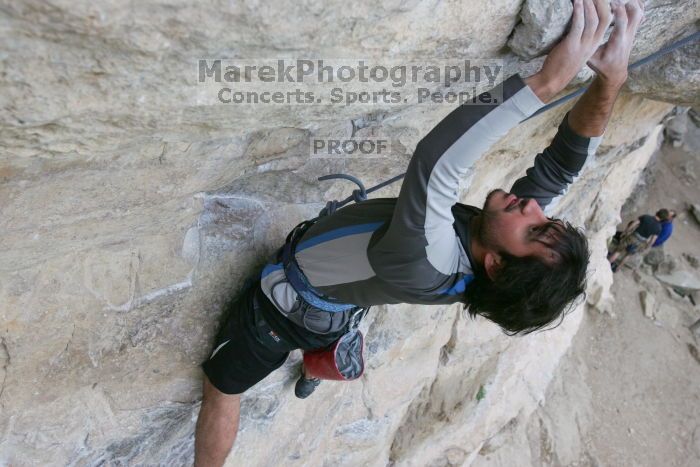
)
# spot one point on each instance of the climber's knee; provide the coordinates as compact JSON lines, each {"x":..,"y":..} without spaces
{"x":211,"y":395}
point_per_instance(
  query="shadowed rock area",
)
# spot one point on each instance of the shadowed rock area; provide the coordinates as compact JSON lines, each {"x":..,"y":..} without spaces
{"x":131,"y":212}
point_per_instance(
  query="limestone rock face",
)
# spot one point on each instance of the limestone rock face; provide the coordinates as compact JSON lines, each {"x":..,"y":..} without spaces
{"x":542,"y":24}
{"x":673,"y":78}
{"x":132,"y":210}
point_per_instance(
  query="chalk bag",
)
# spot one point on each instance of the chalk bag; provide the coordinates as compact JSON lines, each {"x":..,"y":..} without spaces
{"x":342,"y":361}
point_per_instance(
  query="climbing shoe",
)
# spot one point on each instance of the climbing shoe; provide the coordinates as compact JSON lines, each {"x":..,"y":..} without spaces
{"x":305,"y":386}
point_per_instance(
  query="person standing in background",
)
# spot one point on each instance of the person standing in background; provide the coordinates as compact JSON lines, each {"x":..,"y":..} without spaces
{"x":639,"y":236}
{"x":666,"y":227}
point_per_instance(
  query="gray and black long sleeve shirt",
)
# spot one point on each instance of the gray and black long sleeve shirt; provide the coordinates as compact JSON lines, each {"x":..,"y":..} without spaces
{"x":415,"y":248}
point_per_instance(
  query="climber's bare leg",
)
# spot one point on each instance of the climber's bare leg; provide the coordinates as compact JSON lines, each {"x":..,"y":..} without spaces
{"x":622,"y":262}
{"x":217,"y":426}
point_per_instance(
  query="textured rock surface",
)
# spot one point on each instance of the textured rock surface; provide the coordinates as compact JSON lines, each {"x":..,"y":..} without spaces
{"x":542,"y":24}
{"x":673,"y":78}
{"x":682,"y":280}
{"x":648,"y":303}
{"x":130,"y":213}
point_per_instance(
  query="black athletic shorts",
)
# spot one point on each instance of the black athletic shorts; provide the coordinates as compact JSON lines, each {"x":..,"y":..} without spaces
{"x":246,"y":349}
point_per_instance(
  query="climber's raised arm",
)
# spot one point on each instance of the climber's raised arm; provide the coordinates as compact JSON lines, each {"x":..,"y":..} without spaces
{"x":582,"y":128}
{"x":421,"y":225}
{"x":590,"y":115}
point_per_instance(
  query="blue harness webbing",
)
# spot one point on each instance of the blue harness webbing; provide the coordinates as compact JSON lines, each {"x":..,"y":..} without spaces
{"x":299,"y":282}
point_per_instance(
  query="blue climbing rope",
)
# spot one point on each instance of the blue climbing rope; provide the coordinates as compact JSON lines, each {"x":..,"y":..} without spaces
{"x":361,"y":193}
{"x":637,"y":64}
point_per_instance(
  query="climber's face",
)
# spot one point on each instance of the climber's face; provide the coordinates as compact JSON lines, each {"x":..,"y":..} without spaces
{"x":518,"y":226}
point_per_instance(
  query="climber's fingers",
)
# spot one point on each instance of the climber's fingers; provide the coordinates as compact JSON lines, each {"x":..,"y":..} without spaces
{"x":621,"y":22}
{"x":604,"y":19}
{"x":577,"y":21}
{"x":635,"y":13}
{"x":610,"y":61}
{"x":628,"y":16}
{"x":591,"y":21}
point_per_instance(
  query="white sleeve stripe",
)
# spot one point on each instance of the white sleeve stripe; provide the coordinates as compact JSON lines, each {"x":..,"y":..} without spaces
{"x":441,"y":250}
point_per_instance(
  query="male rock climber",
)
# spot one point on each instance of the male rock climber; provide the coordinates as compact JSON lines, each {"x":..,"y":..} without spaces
{"x":508,"y":261}
{"x":639,"y":235}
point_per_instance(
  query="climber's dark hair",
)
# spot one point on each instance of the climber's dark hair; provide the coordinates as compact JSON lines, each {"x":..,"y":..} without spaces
{"x":663,"y":214}
{"x":527,"y":293}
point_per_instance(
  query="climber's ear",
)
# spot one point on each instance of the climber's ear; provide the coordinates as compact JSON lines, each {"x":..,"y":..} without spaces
{"x":492,"y":264}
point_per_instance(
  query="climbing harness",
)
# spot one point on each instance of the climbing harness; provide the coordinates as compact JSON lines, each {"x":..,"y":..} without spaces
{"x":344,"y":359}
{"x":297,"y":279}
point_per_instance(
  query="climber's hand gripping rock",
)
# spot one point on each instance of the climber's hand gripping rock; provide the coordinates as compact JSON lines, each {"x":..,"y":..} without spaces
{"x":582,"y":44}
{"x":611,"y":60}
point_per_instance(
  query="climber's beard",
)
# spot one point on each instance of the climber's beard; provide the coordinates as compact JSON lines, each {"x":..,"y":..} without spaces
{"x":488,"y":231}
